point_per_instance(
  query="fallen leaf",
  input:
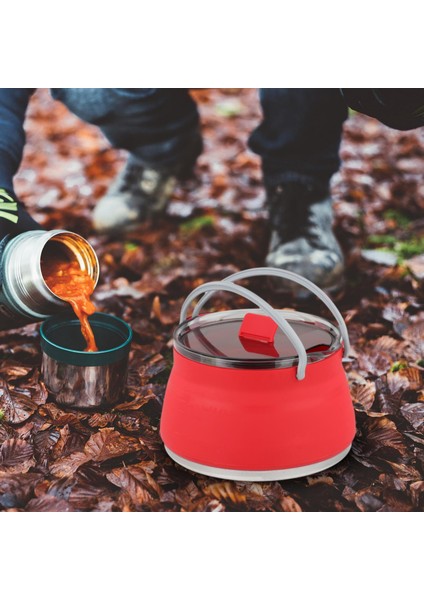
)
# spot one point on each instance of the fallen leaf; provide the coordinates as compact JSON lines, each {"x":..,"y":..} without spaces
{"x":16,"y":490}
{"x":101,"y":419}
{"x":68,"y":465}
{"x":108,"y":443}
{"x":390,"y":390}
{"x":363,"y":395}
{"x":416,"y":266}
{"x":404,"y":471}
{"x":15,"y":406}
{"x":374,"y":362}
{"x":417,"y":493}
{"x":6,"y":432}
{"x":44,"y":441}
{"x":289,"y":504}
{"x":127,"y":480}
{"x":11,"y":371}
{"x":48,"y":503}
{"x":226,"y":490}
{"x":367,"y":502}
{"x":414,"y":414}
{"x":16,"y":456}
{"x":135,"y":404}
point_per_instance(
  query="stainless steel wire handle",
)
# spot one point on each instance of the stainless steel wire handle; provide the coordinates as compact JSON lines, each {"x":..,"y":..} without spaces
{"x":227,"y":286}
{"x":283,"y":274}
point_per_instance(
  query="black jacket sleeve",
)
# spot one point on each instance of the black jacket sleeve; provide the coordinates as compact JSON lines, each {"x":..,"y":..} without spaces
{"x":401,"y":108}
{"x":13,"y":104}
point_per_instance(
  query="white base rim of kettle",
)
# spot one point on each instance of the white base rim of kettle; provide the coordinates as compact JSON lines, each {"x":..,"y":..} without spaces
{"x":272,"y":475}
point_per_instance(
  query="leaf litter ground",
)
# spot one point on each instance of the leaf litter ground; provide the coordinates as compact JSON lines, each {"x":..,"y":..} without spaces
{"x":52,"y":459}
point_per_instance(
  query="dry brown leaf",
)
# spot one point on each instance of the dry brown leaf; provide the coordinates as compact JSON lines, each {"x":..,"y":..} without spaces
{"x":45,"y":440}
{"x":363,"y":395}
{"x":414,"y":413}
{"x":405,"y":472}
{"x":383,"y":432}
{"x":155,"y":312}
{"x":6,"y":432}
{"x":417,"y":493}
{"x":367,"y":502}
{"x":320,"y":479}
{"x":108,"y":443}
{"x":135,"y":404}
{"x":16,"y":407}
{"x":85,"y":495}
{"x":156,"y":365}
{"x":388,"y":345}
{"x":136,"y":490}
{"x":48,"y":503}
{"x":101,"y":419}
{"x":414,"y":376}
{"x":394,"y":312}
{"x":416,"y":266}
{"x":58,"y":448}
{"x":390,"y":390}
{"x":289,"y":504}
{"x":414,"y":333}
{"x":11,"y":370}
{"x":226,"y":490}
{"x":16,"y":456}
{"x":58,"y":416}
{"x":16,"y":490}
{"x":374,"y":362}
{"x":68,"y":465}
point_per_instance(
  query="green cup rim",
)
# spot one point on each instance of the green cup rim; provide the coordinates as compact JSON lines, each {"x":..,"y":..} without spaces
{"x":67,"y":355}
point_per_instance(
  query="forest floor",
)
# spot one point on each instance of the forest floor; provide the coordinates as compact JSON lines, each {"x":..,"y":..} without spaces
{"x":55,"y":459}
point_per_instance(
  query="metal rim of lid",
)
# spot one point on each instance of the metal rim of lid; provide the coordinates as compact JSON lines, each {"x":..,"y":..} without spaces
{"x":265,"y":363}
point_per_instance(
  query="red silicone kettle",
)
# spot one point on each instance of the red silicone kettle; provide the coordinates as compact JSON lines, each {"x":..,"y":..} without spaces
{"x":258,"y":394}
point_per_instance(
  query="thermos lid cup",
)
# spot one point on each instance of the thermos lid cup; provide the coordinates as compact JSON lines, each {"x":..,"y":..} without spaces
{"x":62,"y":340}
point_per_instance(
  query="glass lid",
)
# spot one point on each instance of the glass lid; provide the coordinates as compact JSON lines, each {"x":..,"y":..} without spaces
{"x":250,"y":339}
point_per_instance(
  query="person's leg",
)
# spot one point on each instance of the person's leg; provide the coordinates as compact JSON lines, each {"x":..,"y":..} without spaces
{"x":156,"y":125}
{"x":299,"y":137}
{"x":298,"y":141}
{"x":160,"y":129}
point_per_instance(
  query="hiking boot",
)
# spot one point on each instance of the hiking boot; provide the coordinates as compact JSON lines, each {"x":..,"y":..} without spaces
{"x":139,"y":193}
{"x":302,"y":238}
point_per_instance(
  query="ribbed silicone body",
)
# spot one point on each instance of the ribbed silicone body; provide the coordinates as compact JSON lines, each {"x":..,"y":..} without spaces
{"x":257,"y":420}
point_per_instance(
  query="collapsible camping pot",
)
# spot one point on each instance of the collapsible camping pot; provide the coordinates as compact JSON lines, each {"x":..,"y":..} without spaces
{"x":258,"y":394}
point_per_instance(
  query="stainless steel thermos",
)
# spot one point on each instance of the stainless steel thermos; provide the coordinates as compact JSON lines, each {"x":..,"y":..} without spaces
{"x":24,"y":295}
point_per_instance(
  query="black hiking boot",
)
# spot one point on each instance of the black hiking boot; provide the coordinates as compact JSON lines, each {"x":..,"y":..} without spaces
{"x":302,"y":238}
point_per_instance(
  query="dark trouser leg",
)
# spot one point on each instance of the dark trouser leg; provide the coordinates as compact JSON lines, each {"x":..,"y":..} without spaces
{"x":158,"y":126}
{"x":298,"y":141}
{"x":160,"y":129}
{"x":299,"y":137}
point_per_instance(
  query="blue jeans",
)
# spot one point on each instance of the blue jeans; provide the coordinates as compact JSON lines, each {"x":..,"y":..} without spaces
{"x":297,"y":140}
